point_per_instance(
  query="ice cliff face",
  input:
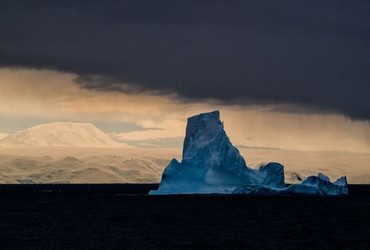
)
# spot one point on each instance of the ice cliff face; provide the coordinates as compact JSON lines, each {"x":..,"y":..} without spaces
{"x":211,"y":164}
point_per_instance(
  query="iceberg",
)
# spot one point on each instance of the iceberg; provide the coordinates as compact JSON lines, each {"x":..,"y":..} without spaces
{"x":212,"y":165}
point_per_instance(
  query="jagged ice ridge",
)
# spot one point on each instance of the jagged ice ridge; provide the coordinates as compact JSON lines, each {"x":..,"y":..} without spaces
{"x":211,"y":164}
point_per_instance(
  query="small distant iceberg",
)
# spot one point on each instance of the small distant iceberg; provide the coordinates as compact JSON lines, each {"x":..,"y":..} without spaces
{"x":212,"y":165}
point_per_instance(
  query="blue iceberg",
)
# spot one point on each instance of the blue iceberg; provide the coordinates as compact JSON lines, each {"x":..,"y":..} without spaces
{"x":212,"y":165}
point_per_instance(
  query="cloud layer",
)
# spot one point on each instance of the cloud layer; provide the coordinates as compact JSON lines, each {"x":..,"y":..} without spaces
{"x":313,"y":54}
{"x":30,"y":97}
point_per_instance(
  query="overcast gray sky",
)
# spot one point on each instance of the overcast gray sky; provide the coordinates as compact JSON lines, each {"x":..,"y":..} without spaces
{"x":285,"y":74}
{"x":315,"y":54}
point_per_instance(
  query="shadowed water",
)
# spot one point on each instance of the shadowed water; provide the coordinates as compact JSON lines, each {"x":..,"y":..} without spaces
{"x":122,"y":216}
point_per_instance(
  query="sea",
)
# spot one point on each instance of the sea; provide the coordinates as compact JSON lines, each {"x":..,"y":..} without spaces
{"x":123,"y":216}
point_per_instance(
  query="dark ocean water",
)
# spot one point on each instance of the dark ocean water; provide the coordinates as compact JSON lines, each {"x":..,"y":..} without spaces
{"x":123,"y":217}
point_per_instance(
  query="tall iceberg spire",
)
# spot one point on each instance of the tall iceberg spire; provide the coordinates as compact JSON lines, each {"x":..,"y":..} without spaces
{"x":211,"y":164}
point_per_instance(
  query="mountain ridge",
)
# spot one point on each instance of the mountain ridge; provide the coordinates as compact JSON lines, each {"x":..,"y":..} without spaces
{"x":58,"y":134}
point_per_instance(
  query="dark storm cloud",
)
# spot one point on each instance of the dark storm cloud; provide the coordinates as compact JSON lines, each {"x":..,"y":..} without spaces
{"x":312,"y":53}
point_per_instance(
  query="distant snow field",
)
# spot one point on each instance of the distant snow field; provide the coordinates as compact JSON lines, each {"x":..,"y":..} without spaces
{"x":66,"y":152}
{"x":78,"y":165}
{"x":2,"y":135}
{"x":119,"y":165}
{"x":300,"y":164}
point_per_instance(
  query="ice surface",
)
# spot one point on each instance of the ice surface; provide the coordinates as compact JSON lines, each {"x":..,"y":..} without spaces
{"x":60,"y":134}
{"x":311,"y":186}
{"x":211,"y":164}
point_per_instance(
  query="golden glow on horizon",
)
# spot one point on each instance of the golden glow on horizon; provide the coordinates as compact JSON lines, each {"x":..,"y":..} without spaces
{"x":47,"y":93}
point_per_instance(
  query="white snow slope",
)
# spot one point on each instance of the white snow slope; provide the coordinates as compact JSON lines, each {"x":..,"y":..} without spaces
{"x":60,"y":134}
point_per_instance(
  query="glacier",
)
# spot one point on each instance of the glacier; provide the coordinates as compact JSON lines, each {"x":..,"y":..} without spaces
{"x":212,"y":165}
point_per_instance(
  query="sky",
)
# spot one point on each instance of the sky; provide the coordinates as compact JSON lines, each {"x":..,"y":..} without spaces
{"x":284,"y":74}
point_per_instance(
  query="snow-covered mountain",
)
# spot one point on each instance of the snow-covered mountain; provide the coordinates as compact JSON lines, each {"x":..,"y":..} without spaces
{"x":60,"y":134}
